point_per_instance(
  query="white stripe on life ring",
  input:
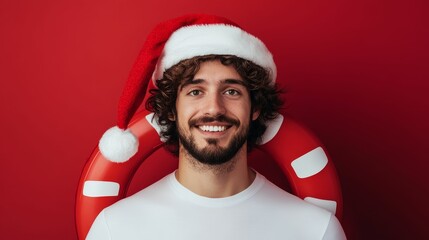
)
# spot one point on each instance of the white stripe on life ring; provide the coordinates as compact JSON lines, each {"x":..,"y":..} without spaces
{"x":273,"y":128}
{"x":310,"y":163}
{"x":100,"y":189}
{"x":152,"y":119}
{"x":326,"y":204}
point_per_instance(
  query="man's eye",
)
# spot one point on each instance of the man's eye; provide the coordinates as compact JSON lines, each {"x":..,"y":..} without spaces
{"x":232,"y":92}
{"x":194,"y":93}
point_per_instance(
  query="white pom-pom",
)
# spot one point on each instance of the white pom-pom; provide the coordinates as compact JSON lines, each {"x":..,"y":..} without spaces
{"x":118,"y":145}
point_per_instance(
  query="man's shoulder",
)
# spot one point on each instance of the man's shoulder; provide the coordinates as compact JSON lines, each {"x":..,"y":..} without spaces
{"x":285,"y":209}
{"x":274,"y":197}
{"x":146,"y":199}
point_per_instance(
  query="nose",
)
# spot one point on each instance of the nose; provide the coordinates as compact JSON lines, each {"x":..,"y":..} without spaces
{"x":214,"y":105}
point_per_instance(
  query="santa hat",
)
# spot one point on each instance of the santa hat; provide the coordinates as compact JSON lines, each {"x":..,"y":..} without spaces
{"x":169,"y":43}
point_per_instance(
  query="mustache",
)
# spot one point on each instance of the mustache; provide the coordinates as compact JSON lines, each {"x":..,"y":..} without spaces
{"x":208,"y":119}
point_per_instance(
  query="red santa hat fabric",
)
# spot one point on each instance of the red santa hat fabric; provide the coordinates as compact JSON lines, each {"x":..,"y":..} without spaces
{"x":169,"y":43}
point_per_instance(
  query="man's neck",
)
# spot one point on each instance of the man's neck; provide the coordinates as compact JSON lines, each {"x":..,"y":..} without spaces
{"x":215,"y":181}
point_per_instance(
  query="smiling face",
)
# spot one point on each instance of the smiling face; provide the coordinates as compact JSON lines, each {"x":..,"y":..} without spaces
{"x":213,"y":114}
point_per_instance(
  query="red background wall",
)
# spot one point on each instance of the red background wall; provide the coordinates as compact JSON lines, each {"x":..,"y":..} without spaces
{"x":356,"y":73}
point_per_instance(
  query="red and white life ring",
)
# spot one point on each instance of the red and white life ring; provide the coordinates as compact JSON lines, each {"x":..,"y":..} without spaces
{"x":300,"y":155}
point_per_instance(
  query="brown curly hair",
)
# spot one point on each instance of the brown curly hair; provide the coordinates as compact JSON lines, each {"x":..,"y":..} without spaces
{"x":264,"y":95}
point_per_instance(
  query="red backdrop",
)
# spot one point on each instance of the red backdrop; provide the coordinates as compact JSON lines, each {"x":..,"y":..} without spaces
{"x":356,"y":73}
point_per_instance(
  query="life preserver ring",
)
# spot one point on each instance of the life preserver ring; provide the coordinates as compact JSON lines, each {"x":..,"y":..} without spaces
{"x":300,"y":155}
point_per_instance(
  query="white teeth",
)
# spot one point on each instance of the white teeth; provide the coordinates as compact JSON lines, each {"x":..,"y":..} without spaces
{"x":213,"y":128}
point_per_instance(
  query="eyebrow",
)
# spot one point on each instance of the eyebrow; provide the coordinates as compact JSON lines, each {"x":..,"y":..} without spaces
{"x":191,"y":81}
{"x":233,"y":81}
{"x":225,"y":81}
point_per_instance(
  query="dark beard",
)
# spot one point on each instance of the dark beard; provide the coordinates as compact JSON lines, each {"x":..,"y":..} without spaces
{"x":214,"y":154}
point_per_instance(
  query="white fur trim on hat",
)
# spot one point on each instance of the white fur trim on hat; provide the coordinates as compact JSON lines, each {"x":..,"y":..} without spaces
{"x":118,"y":145}
{"x":219,"y":39}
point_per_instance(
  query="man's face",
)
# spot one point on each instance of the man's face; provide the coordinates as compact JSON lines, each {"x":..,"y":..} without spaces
{"x":213,"y":113}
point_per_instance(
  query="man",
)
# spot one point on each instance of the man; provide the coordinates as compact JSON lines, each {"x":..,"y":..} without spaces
{"x":215,"y":92}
